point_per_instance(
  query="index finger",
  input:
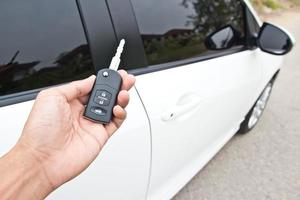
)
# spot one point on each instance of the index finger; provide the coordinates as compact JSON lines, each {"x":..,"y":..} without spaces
{"x":128,"y":80}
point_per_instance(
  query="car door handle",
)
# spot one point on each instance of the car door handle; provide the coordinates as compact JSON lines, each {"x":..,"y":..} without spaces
{"x":187,"y":103}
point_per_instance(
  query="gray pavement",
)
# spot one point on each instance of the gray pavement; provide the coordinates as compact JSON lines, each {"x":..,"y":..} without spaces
{"x":265,"y":164}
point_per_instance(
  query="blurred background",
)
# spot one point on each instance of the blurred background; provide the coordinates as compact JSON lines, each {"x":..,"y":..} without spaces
{"x":264,"y":164}
{"x":269,"y":6}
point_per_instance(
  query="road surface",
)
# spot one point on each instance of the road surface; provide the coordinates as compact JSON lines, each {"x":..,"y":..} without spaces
{"x":265,"y":164}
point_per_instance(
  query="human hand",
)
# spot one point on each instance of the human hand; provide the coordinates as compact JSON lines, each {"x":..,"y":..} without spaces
{"x":61,"y":141}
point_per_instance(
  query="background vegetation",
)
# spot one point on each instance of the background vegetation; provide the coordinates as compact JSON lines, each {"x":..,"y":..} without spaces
{"x":263,"y":5}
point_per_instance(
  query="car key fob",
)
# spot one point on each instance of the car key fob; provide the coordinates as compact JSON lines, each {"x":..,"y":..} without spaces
{"x":105,"y":91}
{"x":104,"y":96}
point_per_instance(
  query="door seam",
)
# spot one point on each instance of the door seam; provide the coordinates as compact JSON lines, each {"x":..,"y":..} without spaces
{"x":150,"y":127}
{"x":111,"y":20}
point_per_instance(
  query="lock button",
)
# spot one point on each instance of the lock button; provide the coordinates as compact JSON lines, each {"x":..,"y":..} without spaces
{"x":103,"y":94}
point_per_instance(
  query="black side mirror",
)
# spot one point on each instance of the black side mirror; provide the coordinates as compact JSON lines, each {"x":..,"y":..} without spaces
{"x":274,"y":40}
{"x":223,"y":38}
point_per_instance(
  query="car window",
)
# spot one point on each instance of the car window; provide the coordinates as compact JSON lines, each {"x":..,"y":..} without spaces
{"x":42,"y":43}
{"x":174,"y":30}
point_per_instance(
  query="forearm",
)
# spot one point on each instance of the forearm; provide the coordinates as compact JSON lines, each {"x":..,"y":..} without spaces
{"x":22,"y":177}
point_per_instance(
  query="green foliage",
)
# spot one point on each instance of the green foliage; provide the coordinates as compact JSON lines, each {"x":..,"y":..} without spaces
{"x":273,"y":4}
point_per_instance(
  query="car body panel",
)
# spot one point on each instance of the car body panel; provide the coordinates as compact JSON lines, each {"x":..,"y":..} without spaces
{"x":220,"y":86}
{"x":271,"y":64}
{"x":120,"y":172}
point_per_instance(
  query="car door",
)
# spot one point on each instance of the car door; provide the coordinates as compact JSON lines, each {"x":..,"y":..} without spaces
{"x":43,"y":43}
{"x":195,"y":97}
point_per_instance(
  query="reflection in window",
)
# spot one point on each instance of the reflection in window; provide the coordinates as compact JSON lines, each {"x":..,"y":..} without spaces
{"x":176,"y":29}
{"x":42,"y":44}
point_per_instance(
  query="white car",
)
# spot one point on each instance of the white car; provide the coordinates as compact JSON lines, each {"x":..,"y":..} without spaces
{"x":204,"y":70}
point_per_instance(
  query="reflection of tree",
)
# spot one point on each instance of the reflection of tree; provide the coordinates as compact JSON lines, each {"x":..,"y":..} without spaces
{"x":213,"y":15}
{"x":14,"y":71}
{"x":69,"y":66}
{"x":205,"y":18}
{"x":175,"y":44}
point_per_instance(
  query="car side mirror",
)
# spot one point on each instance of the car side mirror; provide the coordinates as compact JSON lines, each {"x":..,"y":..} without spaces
{"x":223,"y":38}
{"x":274,"y":40}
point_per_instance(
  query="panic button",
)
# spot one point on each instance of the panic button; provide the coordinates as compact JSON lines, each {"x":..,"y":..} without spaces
{"x":98,"y":111}
{"x":102,"y":98}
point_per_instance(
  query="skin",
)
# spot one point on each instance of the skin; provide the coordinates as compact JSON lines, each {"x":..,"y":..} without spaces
{"x":57,"y":143}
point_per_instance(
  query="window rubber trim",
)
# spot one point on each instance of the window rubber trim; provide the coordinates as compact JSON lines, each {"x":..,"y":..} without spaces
{"x":18,"y":97}
{"x":181,"y":63}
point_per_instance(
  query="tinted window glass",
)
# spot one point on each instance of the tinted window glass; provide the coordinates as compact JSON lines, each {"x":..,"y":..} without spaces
{"x":42,"y":43}
{"x":176,"y":29}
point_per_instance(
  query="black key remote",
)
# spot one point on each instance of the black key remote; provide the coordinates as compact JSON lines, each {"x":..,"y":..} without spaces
{"x":103,"y":97}
{"x":105,"y":91}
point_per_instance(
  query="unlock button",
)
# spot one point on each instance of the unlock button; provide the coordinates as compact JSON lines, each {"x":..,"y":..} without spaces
{"x":101,"y":102}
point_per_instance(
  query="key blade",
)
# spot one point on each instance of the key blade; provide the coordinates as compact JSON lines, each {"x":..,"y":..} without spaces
{"x":121,"y":46}
{"x":114,"y":65}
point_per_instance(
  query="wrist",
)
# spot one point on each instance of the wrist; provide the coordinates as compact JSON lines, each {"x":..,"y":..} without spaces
{"x":33,"y":167}
{"x":24,"y":177}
